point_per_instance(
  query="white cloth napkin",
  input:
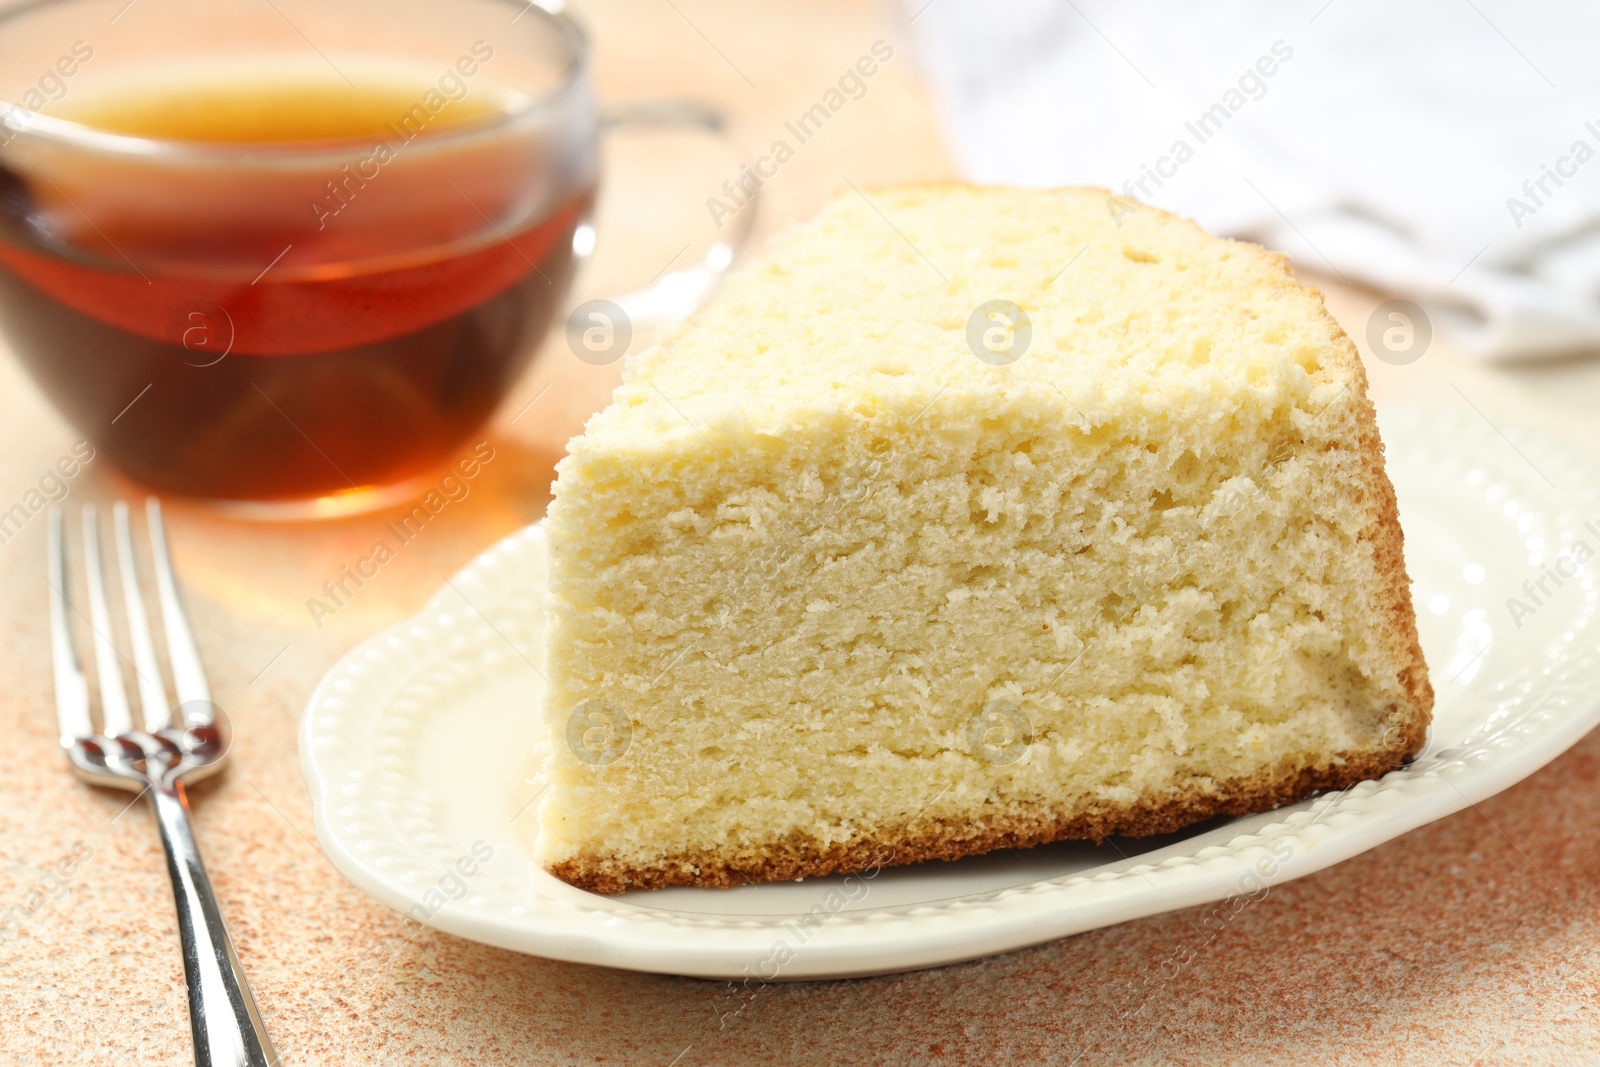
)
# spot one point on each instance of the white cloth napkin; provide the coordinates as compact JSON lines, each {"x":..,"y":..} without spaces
{"x":1407,"y":144}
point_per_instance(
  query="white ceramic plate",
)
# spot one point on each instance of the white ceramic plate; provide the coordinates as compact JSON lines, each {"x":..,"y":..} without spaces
{"x":417,"y":745}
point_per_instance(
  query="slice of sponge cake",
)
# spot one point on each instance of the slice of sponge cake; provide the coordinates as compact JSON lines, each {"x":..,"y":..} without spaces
{"x":970,"y":518}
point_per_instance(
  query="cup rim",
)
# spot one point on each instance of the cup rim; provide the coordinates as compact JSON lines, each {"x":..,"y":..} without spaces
{"x":17,"y":120}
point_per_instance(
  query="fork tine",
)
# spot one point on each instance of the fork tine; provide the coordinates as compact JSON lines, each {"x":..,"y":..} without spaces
{"x":188,"y":676}
{"x":114,"y":716}
{"x":72,"y":688}
{"x":152,"y":695}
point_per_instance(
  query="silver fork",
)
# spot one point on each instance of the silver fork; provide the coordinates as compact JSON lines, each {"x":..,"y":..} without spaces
{"x":158,"y":759}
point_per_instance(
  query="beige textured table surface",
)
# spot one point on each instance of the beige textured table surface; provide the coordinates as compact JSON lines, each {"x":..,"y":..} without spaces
{"x":1470,"y":941}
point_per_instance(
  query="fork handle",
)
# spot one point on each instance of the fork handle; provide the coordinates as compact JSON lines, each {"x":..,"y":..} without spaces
{"x":228,"y":1031}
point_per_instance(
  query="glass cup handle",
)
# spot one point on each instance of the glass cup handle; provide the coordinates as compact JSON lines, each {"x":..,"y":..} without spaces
{"x":680,"y":293}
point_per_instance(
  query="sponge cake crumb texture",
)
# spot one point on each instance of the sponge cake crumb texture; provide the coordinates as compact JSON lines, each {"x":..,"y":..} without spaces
{"x":828,"y":590}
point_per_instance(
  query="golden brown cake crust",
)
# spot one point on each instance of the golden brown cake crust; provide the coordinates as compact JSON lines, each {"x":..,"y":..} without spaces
{"x":1388,"y":549}
{"x":804,"y":857}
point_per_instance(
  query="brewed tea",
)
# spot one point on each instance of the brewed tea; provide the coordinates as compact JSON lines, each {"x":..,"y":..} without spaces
{"x":291,"y":325}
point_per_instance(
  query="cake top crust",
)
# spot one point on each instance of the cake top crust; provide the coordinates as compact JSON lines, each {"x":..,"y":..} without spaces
{"x":893,"y":297}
